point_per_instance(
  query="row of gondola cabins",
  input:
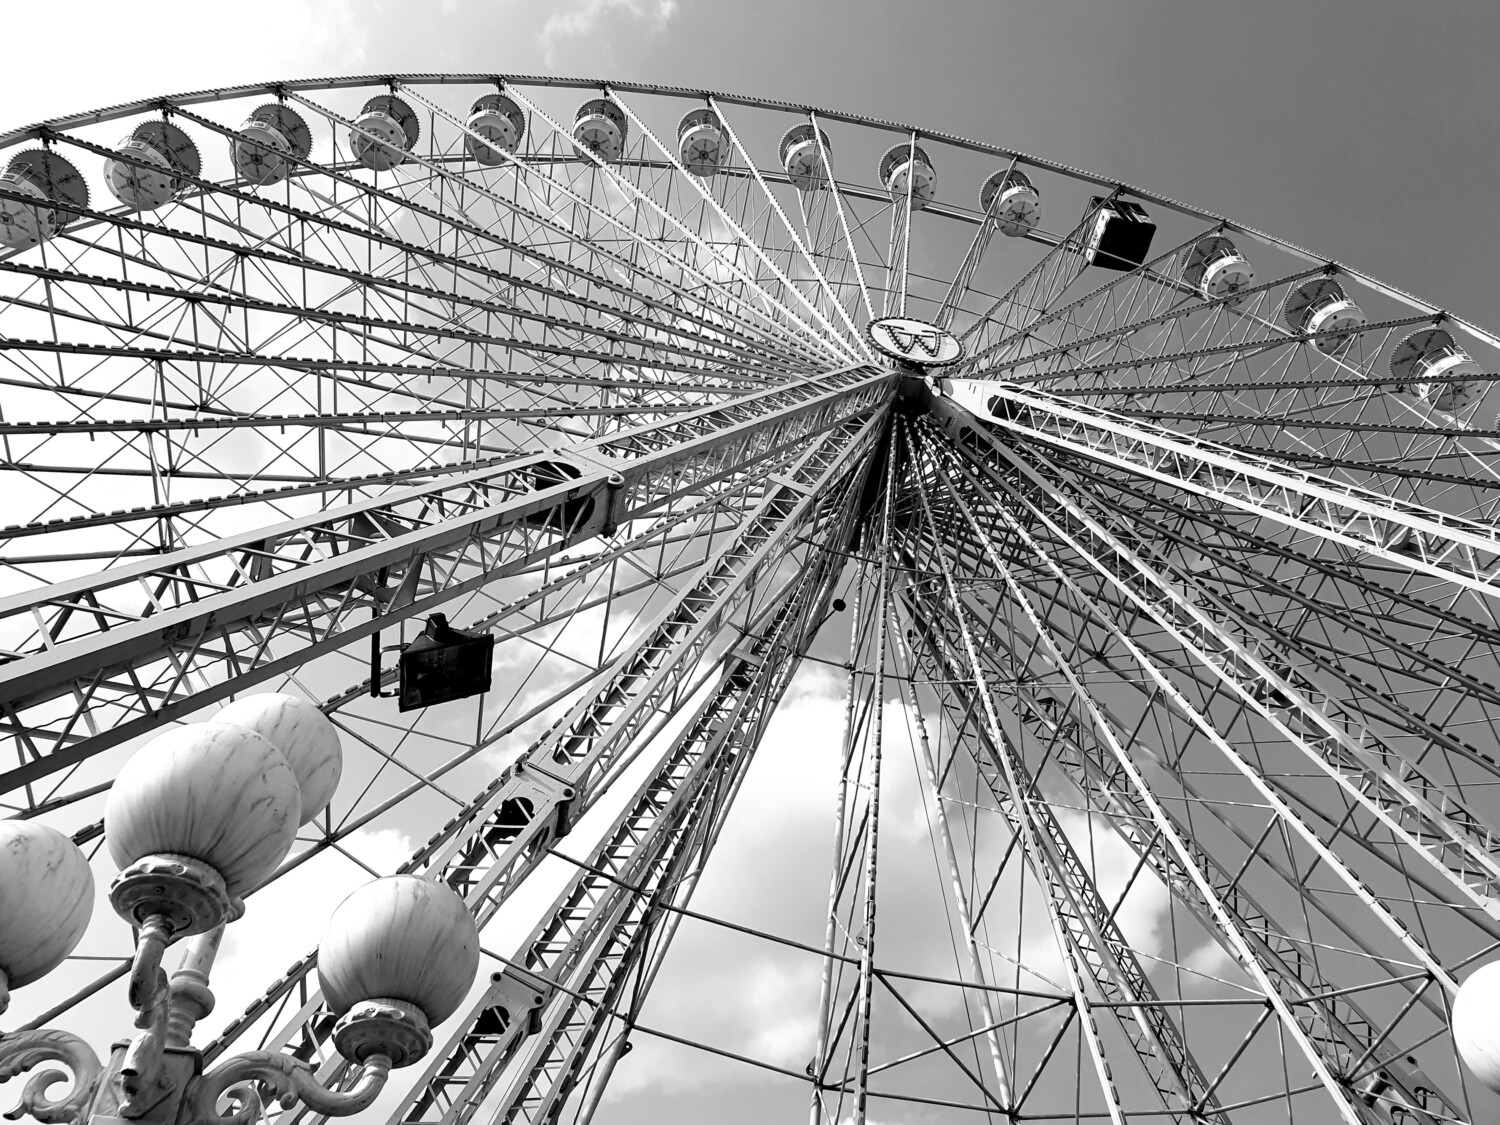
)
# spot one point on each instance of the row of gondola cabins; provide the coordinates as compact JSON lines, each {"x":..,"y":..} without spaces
{"x":158,"y":161}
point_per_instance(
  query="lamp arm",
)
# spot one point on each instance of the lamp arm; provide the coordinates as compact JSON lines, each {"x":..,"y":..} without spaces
{"x":22,"y":1050}
{"x":291,"y":1080}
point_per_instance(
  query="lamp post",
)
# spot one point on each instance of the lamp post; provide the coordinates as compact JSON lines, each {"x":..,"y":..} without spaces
{"x":198,"y":817}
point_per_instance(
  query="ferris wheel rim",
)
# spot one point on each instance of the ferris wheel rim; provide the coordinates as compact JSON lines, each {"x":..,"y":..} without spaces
{"x":42,"y":130}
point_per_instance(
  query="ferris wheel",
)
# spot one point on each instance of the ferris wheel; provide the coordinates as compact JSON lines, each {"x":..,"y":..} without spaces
{"x":481,"y":457}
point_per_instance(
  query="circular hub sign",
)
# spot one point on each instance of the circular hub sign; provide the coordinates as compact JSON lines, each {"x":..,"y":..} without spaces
{"x":915,"y":341}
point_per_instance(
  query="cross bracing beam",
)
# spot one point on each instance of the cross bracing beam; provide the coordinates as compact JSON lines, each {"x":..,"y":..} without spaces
{"x":1288,"y":1019}
{"x":1430,"y":819}
{"x":1094,"y":938}
{"x":1074,"y":349}
{"x":1174,"y":525}
{"x":729,"y":727}
{"x":1423,"y":811}
{"x":750,"y":364}
{"x":624,"y":184}
{"x":1030,"y":294}
{"x":595,"y":932}
{"x":1083,"y":650}
{"x":228,"y":609}
{"x":1083,"y":920}
{"x":1238,"y":757}
{"x":990,"y":1025}
{"x":1026,"y":675}
{"x":1029,"y":832}
{"x":746,"y":336}
{"x":1388,"y":778}
{"x":1418,"y":1092}
{"x":1407,"y":534}
{"x":403,"y":371}
{"x":1330,"y":1015}
{"x":487,"y":850}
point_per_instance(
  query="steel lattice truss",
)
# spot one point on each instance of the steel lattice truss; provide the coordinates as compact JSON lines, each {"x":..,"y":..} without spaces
{"x":1181,"y":576}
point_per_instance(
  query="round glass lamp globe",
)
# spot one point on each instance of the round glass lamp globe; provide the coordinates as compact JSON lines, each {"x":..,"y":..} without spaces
{"x":46,"y":898}
{"x":215,"y":792}
{"x":400,"y":938}
{"x":1476,"y":1024}
{"x":303,"y":734}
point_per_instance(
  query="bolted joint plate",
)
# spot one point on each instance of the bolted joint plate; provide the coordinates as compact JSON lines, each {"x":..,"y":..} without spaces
{"x":592,"y":461}
{"x":519,"y":1002}
{"x":592,"y":507}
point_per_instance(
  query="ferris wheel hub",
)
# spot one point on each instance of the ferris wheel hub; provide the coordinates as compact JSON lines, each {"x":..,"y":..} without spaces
{"x":915,"y":343}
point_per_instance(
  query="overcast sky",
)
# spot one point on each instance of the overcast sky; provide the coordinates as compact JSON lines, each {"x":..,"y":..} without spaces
{"x":1360,"y":129}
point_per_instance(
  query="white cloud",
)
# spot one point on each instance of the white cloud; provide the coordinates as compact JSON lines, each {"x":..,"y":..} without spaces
{"x":582,"y":18}
{"x":191,"y":46}
{"x":285,"y":920}
{"x":1213,"y":966}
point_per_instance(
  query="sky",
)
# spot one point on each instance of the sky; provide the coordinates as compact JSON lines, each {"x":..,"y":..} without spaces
{"x":1360,"y":129}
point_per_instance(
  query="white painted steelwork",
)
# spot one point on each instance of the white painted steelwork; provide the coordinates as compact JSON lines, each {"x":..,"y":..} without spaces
{"x":1179,"y":582}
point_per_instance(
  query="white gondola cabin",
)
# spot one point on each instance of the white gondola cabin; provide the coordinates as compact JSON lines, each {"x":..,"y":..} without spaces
{"x":701,"y":144}
{"x":152,"y":160}
{"x":802,"y":156}
{"x":1215,"y":268}
{"x":1433,"y":367}
{"x":600,"y":127}
{"x":1012,"y":200}
{"x":907,"y":168}
{"x":1320,"y":306}
{"x":51,"y":193}
{"x":269,"y":143}
{"x":384,"y":133}
{"x":496,"y":126}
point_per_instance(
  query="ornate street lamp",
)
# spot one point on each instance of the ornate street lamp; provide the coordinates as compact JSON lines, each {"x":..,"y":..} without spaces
{"x":198,"y":817}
